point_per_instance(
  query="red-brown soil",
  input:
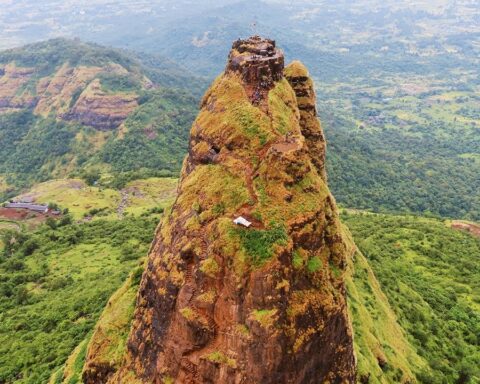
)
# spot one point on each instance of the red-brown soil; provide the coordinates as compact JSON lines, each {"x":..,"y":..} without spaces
{"x":472,"y":228}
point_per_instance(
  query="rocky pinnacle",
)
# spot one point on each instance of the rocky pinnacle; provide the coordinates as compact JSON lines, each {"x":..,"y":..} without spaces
{"x":222,"y":303}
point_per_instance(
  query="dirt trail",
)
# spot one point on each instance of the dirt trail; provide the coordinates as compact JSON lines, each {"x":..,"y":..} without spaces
{"x":472,"y":228}
{"x":123,"y":203}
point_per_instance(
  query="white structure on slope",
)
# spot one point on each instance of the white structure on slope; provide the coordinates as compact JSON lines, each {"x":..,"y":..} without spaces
{"x":242,"y":221}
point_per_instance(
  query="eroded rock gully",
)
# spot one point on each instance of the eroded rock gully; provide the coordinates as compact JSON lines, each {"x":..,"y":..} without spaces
{"x":267,"y":304}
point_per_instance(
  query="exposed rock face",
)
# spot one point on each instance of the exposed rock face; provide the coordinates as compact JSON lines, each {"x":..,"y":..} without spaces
{"x":302,"y":84}
{"x":71,"y":93}
{"x":259,"y":64}
{"x":55,"y":93}
{"x":100,"y":110}
{"x":13,"y":80}
{"x":219,"y":303}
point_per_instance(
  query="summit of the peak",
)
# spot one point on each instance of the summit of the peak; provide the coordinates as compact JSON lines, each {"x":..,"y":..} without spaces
{"x":259,"y":62}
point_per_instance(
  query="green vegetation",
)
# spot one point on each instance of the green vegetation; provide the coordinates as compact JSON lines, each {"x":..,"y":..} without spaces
{"x":297,"y":259}
{"x":384,"y":354}
{"x":156,"y":134}
{"x":259,"y":244}
{"x":54,"y":284}
{"x":28,"y":144}
{"x":266,"y":317}
{"x":314,"y":264}
{"x":143,"y":197}
{"x":72,"y":374}
{"x":189,"y":313}
{"x":412,"y":148}
{"x":79,"y":199}
{"x":430,"y":275}
{"x":47,"y":56}
{"x":397,"y":101}
{"x":111,"y":331}
{"x":217,"y":186}
{"x":219,"y":357}
{"x":36,"y":149}
{"x":415,"y":147}
{"x":38,"y":145}
{"x":405,"y":164}
{"x":119,"y":83}
{"x":210,"y":267}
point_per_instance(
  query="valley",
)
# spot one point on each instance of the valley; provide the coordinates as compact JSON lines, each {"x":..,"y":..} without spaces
{"x":98,"y":106}
{"x":57,"y":275}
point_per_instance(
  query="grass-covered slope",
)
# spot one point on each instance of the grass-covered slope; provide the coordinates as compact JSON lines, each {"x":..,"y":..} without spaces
{"x":85,"y":201}
{"x":430,"y":275}
{"x":384,"y":354}
{"x":54,"y":284}
{"x":56,"y":276}
{"x":107,"y":345}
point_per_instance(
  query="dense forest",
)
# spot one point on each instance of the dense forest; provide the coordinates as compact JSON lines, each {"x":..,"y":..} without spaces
{"x":431,"y":276}
{"x":54,"y":283}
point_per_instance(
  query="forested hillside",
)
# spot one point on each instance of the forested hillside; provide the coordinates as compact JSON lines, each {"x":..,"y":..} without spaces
{"x":430,"y":274}
{"x":69,"y":108}
{"x":58,"y":272}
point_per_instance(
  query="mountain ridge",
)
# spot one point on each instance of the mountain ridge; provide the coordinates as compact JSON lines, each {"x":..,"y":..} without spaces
{"x":67,"y":106}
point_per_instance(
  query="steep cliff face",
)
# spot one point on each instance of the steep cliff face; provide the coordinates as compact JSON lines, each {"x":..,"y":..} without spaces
{"x":302,"y":84}
{"x":221,"y":303}
{"x":69,"y":93}
{"x":101,"y":110}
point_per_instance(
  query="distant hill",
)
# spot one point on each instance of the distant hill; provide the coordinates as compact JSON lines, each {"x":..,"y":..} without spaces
{"x":68,"y":107}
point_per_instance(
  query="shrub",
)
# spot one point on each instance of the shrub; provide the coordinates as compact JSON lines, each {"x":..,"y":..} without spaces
{"x":129,"y":252}
{"x":258,"y":244}
{"x":209,"y":267}
{"x":314,"y":264}
{"x":219,"y":357}
{"x":30,"y":246}
{"x":51,"y":222}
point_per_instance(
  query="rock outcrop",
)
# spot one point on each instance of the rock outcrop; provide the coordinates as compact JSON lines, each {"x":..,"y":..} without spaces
{"x":101,"y":110}
{"x":298,"y":77}
{"x":70,"y":93}
{"x":13,"y":84}
{"x":221,"y":303}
